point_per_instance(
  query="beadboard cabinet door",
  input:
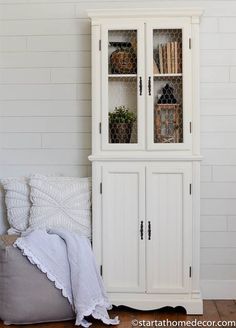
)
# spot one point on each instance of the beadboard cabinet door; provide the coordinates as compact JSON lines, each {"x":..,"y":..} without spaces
{"x":123,"y":246}
{"x":169,"y":227}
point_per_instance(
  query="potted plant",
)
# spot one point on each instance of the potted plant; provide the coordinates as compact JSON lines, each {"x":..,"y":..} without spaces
{"x":121,"y":122}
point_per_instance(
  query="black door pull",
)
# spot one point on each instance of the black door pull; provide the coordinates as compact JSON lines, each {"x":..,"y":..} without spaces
{"x":140,"y":86}
{"x":149,"y":86}
{"x":149,"y":230}
{"x":141,"y":230}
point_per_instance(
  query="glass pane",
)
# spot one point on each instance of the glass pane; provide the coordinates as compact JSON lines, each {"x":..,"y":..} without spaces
{"x":168,"y":86}
{"x":122,"y":86}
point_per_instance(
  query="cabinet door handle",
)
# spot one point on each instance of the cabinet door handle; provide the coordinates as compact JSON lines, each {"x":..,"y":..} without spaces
{"x":149,"y":230}
{"x":140,"y":86}
{"x":141,"y":230}
{"x":149,"y":86}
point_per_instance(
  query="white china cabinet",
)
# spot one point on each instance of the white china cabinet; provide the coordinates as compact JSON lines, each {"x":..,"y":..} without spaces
{"x":146,"y":155}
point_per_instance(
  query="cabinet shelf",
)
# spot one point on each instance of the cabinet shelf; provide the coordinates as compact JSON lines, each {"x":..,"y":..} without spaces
{"x":168,"y":75}
{"x":122,"y":75}
{"x":135,"y":75}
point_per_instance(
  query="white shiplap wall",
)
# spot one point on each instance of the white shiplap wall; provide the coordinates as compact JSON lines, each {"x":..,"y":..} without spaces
{"x":45,"y":109}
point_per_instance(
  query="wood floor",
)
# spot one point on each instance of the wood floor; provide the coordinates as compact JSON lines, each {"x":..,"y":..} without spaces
{"x":213,"y":310}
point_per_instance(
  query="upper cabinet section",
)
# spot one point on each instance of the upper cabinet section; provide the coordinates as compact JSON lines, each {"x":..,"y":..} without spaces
{"x":144,"y":92}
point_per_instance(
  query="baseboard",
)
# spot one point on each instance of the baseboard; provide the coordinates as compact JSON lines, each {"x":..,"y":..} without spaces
{"x":218,"y":289}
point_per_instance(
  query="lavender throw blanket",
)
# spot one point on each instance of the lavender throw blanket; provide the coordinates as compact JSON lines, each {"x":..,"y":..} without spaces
{"x":67,"y":260}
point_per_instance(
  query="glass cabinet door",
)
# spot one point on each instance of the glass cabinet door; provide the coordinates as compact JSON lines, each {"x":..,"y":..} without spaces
{"x":123,"y":87}
{"x":169,"y":93}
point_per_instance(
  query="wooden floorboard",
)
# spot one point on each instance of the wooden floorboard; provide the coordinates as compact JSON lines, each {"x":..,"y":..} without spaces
{"x":226,"y":309}
{"x":213,"y":310}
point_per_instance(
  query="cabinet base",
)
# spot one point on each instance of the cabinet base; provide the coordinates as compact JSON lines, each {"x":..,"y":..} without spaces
{"x":192,"y":306}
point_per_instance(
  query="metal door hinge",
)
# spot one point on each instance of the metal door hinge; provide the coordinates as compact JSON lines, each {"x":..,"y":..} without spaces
{"x":190,"y":43}
{"x":190,"y":189}
{"x":101,"y":270}
{"x":190,"y":127}
{"x":100,"y":187}
{"x":190,"y":271}
{"x":100,"y":45}
{"x":100,"y":127}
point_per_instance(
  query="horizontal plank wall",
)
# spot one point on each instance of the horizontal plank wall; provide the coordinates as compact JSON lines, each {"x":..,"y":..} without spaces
{"x":45,"y":109}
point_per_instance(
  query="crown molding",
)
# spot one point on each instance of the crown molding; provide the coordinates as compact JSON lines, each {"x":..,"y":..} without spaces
{"x":142,"y":12}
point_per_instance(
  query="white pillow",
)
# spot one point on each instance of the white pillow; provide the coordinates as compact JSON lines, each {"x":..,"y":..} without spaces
{"x":62,"y":203}
{"x":17,"y":199}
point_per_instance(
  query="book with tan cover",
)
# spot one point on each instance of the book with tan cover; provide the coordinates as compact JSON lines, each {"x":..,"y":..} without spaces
{"x":165,"y":59}
{"x":161,"y":58}
{"x":168,"y":47}
{"x":172,"y":57}
{"x":176,"y":58}
{"x":179,"y":57}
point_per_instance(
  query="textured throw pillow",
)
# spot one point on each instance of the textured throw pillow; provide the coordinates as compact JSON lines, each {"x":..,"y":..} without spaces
{"x":17,"y":198}
{"x":61,"y":202}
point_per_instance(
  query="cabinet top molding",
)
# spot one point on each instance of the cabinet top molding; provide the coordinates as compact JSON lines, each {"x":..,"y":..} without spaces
{"x":145,"y":13}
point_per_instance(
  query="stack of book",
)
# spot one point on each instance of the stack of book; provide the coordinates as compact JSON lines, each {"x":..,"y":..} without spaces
{"x":170,"y":58}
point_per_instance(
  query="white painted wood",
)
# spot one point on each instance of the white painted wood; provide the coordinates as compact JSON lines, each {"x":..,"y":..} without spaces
{"x":123,"y":212}
{"x":39,"y":108}
{"x":45,"y":92}
{"x":45,"y":59}
{"x":20,"y":140}
{"x":96,"y":212}
{"x":169,"y":212}
{"x":219,"y":289}
{"x":218,"y":256}
{"x":15,"y":170}
{"x":147,"y":182}
{"x":139,"y":156}
{"x":144,"y":13}
{"x":42,"y":157}
{"x":213,"y":223}
{"x":96,"y":94}
{"x":196,"y":293}
{"x":232,"y":223}
{"x":195,"y":88}
{"x":154,"y":301}
{"x":45,"y":124}
{"x":59,"y":43}
{"x":66,"y":140}
{"x":224,"y":173}
{"x":218,"y":272}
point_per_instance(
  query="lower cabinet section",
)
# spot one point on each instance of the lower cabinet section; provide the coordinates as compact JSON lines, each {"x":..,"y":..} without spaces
{"x":143,"y":233}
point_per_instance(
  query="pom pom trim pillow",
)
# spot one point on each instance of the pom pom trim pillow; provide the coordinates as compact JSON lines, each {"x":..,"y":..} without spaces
{"x":17,"y":199}
{"x":61,"y":202}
